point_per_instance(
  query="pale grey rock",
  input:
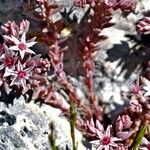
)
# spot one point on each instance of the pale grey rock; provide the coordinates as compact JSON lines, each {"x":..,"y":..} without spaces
{"x":25,"y":126}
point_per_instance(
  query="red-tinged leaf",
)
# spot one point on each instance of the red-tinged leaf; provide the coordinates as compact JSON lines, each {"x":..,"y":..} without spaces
{"x":56,"y":10}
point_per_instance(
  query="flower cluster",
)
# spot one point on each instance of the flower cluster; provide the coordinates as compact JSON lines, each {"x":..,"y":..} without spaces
{"x":104,"y":139}
{"x":125,"y":5}
{"x":17,"y":60}
{"x":128,"y":125}
{"x":140,"y":99}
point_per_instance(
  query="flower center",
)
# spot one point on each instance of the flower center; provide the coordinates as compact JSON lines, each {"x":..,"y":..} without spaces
{"x":21,"y":74}
{"x":9,"y":61}
{"x":135,"y":90}
{"x":148,"y":146}
{"x":22,"y":46}
{"x":106,"y":140}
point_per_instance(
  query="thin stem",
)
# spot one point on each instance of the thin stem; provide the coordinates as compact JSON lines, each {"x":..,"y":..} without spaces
{"x":140,"y":136}
{"x":52,"y":138}
{"x":72,"y":124}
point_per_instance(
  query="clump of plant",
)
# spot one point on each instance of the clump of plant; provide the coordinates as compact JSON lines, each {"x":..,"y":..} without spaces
{"x":42,"y":75}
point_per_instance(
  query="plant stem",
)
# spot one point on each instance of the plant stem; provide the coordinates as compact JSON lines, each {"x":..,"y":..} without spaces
{"x":140,"y":136}
{"x":72,"y":124}
{"x":52,"y":138}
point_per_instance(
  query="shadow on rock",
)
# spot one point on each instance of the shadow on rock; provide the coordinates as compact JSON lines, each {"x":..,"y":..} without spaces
{"x":130,"y":59}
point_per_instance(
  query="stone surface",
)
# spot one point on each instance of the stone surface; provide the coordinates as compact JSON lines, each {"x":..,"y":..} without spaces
{"x":25,"y":126}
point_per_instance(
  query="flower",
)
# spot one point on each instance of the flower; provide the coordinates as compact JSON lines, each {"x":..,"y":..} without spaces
{"x":21,"y":45}
{"x":127,"y":5}
{"x":24,"y":26}
{"x":19,"y":75}
{"x":105,"y":141}
{"x":146,"y":86}
{"x":124,"y":134}
{"x":36,"y":59}
{"x":8,"y":59}
{"x":91,"y":126}
{"x":135,"y":106}
{"x":11,"y":28}
{"x":123,"y":122}
{"x":145,"y":144}
{"x":135,"y":89}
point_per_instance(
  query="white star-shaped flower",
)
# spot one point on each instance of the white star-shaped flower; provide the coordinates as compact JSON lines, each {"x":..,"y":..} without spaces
{"x":105,"y":140}
{"x":21,"y":45}
{"x":20,"y":74}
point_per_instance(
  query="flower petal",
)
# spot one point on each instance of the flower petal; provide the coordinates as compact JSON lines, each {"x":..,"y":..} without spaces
{"x":30,"y":44}
{"x":107,"y":133}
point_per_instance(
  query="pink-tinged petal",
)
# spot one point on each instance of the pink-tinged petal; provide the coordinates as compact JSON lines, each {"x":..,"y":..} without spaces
{"x":9,"y":72}
{"x":24,"y":26}
{"x":36,"y":59}
{"x":95,"y":142}
{"x":99,"y":126}
{"x":30,"y":44}
{"x":92,"y":129}
{"x":14,"y":81}
{"x":145,"y":141}
{"x":146,"y":82}
{"x":2,"y":66}
{"x":14,"y":39}
{"x":23,"y":37}
{"x":143,"y":148}
{"x":90,"y":125}
{"x":23,"y":83}
{"x":30,"y":51}
{"x":7,"y":38}
{"x":28,"y":70}
{"x":107,"y":147}
{"x":146,"y":94}
{"x":22,"y":53}
{"x":113,"y":144}
{"x":2,"y":58}
{"x":105,"y":139}
{"x":100,"y":134}
{"x":32,"y":40}
{"x":108,"y":130}
{"x":92,"y":122}
{"x":15,"y":48}
{"x":19,"y":66}
{"x":124,"y":134}
{"x":116,"y":139}
{"x":100,"y":147}
{"x":119,"y":124}
{"x":126,"y":121}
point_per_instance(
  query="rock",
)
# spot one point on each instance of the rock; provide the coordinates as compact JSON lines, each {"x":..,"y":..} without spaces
{"x":25,"y":126}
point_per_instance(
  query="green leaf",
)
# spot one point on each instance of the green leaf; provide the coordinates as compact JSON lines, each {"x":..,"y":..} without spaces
{"x":140,"y":136}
